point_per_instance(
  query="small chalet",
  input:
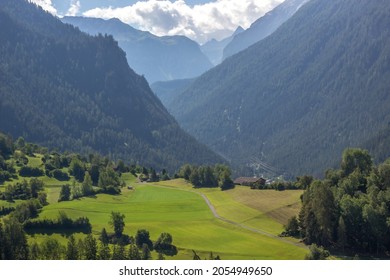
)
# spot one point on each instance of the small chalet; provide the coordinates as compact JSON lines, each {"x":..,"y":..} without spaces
{"x":249,"y":181}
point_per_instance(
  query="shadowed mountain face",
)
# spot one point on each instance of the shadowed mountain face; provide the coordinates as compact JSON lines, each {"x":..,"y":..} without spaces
{"x":263,"y":27}
{"x":213,"y":49}
{"x":298,"y":98}
{"x":67,"y":90}
{"x":157,"y":58}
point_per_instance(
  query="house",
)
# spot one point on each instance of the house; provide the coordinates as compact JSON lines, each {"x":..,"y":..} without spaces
{"x":249,"y":181}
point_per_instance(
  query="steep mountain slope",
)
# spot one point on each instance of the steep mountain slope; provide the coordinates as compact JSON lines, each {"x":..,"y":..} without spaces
{"x":263,"y":27}
{"x":67,"y":90}
{"x":158,"y":58}
{"x":168,"y":91}
{"x":296,"y":99}
{"x":213,"y":49}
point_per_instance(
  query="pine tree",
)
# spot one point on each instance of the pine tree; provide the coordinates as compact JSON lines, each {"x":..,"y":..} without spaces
{"x":145,"y":253}
{"x":104,"y":251}
{"x":134,"y":253}
{"x":72,"y":252}
{"x":86,"y":187}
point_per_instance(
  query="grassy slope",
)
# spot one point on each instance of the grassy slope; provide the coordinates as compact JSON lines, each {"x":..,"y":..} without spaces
{"x":267,"y":210}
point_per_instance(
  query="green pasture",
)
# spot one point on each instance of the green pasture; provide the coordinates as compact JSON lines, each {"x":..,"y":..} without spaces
{"x":174,"y":207}
{"x":266,"y":210}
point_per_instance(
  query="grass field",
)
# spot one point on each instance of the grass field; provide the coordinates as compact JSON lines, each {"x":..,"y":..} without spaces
{"x":245,"y":226}
{"x":174,"y":207}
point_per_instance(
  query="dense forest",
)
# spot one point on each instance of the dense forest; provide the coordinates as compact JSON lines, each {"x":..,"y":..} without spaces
{"x":317,"y":85}
{"x":348,"y":212}
{"x":67,"y":90}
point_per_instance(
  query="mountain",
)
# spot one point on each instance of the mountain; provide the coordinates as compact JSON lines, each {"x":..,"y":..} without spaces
{"x":168,"y":91}
{"x":213,"y":49}
{"x":158,"y":58}
{"x":67,"y":90}
{"x":263,"y":27}
{"x":294,"y":101}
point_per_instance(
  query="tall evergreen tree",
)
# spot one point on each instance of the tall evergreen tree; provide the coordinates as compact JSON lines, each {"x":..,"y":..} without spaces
{"x":90,"y":247}
{"x":117,"y":221}
{"x":104,"y":252}
{"x":87,"y":188}
{"x":72,"y":252}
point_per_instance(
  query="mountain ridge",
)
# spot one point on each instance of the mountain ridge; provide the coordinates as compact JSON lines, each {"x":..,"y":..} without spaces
{"x":263,"y":27}
{"x":270,"y":101}
{"x":157,"y":58}
{"x":64,"y":89}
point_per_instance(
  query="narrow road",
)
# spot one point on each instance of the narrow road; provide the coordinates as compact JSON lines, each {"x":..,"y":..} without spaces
{"x":212,"y":209}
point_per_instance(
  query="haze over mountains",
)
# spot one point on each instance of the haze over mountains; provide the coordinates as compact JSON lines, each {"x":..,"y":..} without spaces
{"x":157,"y":58}
{"x":263,"y":27}
{"x":70,"y":91}
{"x":289,"y":104}
{"x":213,"y":49}
{"x":292,"y":102}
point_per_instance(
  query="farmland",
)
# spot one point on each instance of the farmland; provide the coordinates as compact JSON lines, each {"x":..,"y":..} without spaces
{"x":174,"y":207}
{"x":238,"y":223}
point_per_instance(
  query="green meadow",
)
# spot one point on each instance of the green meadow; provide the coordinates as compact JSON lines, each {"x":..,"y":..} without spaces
{"x":176,"y":208}
{"x":245,"y":223}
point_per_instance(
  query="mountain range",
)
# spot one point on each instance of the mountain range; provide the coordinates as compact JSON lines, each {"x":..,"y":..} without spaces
{"x":214,"y":49}
{"x":157,"y":58}
{"x":262,"y":27}
{"x":291,"y":103}
{"x":67,"y":90}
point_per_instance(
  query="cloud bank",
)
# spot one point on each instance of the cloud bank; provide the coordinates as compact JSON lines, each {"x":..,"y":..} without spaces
{"x":216,"y":19}
{"x":74,"y":8}
{"x":47,"y":5}
{"x":201,"y":23}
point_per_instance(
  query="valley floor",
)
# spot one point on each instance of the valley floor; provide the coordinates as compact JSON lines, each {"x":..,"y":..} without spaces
{"x":235,"y":224}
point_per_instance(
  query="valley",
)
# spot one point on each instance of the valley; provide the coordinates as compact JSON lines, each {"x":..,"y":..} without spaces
{"x":271,"y":143}
{"x":236,"y":224}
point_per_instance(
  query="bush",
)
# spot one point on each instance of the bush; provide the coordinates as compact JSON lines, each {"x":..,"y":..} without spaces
{"x":63,"y":223}
{"x":317,"y":253}
{"x":4,"y":176}
{"x":60,"y":175}
{"x":6,"y":210}
{"x":292,"y":227}
{"x":27,"y":171}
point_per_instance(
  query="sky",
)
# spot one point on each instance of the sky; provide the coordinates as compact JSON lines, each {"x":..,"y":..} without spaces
{"x":200,"y":20}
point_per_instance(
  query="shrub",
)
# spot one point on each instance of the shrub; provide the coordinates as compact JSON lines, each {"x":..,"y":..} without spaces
{"x":27,"y":171}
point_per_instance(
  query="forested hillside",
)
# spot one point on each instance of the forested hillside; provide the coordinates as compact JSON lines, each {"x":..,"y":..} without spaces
{"x":66,"y":90}
{"x":296,"y":99}
{"x":213,"y":49}
{"x":158,"y":58}
{"x":168,"y":91}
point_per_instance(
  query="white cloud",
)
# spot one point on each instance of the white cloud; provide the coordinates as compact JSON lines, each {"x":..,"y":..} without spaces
{"x":47,"y":5}
{"x":74,"y":8}
{"x":216,"y":19}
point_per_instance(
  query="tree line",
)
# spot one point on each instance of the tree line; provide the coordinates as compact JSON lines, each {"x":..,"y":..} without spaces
{"x":82,"y":175}
{"x":218,"y":175}
{"x":108,"y":246}
{"x":348,"y":212}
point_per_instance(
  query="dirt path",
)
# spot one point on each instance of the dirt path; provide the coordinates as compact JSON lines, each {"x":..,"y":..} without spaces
{"x":215,"y":214}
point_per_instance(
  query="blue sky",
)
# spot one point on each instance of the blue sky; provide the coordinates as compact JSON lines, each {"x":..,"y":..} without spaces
{"x":200,"y":20}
